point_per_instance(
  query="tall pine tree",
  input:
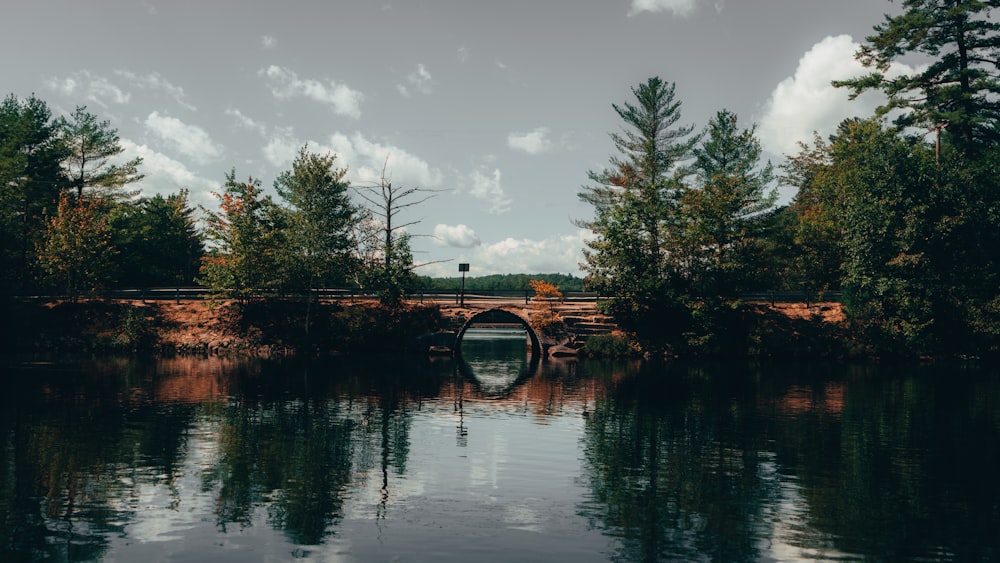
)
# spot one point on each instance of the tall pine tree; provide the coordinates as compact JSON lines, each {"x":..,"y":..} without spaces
{"x":959,"y":91}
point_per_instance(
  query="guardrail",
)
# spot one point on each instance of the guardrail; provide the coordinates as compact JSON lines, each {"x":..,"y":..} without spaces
{"x":421,"y":295}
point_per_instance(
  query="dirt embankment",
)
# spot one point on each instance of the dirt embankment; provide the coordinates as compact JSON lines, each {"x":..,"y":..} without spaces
{"x":212,"y":328}
{"x":203,"y":327}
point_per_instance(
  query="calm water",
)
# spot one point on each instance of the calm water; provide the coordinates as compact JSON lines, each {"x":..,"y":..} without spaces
{"x":496,"y":459}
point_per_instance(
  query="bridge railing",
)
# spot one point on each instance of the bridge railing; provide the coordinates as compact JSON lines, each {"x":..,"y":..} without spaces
{"x":422,"y":295}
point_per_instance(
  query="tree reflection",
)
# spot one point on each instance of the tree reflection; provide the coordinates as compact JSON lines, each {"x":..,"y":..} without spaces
{"x":676,"y":471}
{"x":79,"y":447}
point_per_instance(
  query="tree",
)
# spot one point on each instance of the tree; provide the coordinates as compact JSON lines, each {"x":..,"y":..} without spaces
{"x":245,"y":239}
{"x":636,"y":225}
{"x":726,"y":211}
{"x":30,"y":181}
{"x":635,"y":198}
{"x":960,"y":89}
{"x":92,"y":144}
{"x":77,"y":251}
{"x":817,"y":223}
{"x":321,"y":222}
{"x":321,"y":218}
{"x":157,"y":240}
{"x":383,"y":242}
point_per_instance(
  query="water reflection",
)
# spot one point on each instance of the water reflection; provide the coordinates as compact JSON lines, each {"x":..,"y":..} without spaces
{"x":496,"y":457}
{"x":496,"y":360}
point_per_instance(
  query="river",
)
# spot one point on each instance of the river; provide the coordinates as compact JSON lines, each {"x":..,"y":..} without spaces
{"x":496,"y":458}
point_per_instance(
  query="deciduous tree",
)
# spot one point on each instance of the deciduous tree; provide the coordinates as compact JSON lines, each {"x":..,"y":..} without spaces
{"x":245,"y":238}
{"x":77,"y":251}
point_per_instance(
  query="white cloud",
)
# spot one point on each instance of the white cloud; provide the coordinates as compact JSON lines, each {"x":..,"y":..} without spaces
{"x":420,"y":79}
{"x":680,"y":8}
{"x":90,"y":87}
{"x":556,"y":254}
{"x":164,"y":175}
{"x":153,"y":81}
{"x":459,"y":236}
{"x":282,"y":147}
{"x":190,"y":140}
{"x":488,"y":188}
{"x":366,"y":159}
{"x":247,"y":121}
{"x":285,"y":85}
{"x":808,"y":102}
{"x":268,"y":41}
{"x":363,"y":158}
{"x":463,"y":54}
{"x":533,"y":142}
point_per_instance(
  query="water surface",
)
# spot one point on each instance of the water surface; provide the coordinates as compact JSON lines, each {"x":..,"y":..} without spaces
{"x":494,"y":458}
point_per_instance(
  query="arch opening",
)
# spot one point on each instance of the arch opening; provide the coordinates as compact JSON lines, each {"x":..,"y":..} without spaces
{"x":500,"y":316}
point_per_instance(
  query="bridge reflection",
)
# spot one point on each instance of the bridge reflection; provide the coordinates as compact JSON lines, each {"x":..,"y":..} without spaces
{"x":495,"y":359}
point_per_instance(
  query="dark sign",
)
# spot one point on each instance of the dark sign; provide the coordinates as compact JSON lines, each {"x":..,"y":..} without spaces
{"x":463,"y":267}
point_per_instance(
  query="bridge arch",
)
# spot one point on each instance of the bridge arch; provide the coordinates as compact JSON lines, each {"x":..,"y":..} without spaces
{"x":502,"y":316}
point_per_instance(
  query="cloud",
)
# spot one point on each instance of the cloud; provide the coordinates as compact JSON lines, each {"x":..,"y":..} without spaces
{"x":806,"y":101}
{"x":532,"y":142}
{"x":487,"y":188}
{"x":363,"y":157}
{"x":463,"y":54}
{"x":459,"y":236}
{"x":90,"y":87}
{"x":190,"y":140}
{"x":268,"y":41}
{"x":282,"y":147}
{"x":153,"y":81}
{"x":366,"y":158}
{"x":556,"y":254}
{"x":680,"y":8}
{"x":420,"y":79}
{"x":285,"y":85}
{"x":246,"y":121}
{"x":164,"y":175}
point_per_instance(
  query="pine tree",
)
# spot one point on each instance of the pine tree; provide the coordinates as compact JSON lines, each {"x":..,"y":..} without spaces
{"x":726,"y":211}
{"x":635,"y":199}
{"x":959,"y":91}
{"x":92,"y":145}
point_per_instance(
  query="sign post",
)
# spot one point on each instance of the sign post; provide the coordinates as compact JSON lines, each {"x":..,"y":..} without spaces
{"x":463,"y":268}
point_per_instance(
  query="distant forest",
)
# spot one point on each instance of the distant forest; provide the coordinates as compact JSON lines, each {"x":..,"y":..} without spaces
{"x":518,"y":282}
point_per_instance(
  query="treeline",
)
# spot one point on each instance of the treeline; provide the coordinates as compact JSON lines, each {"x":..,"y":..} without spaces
{"x":901,"y":215}
{"x":70,"y":224}
{"x":506,"y":282}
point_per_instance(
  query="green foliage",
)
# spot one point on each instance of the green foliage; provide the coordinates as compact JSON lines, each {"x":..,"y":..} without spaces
{"x":30,"y":181}
{"x":636,"y":223}
{"x":246,"y":237}
{"x":726,"y":211}
{"x":958,"y":89}
{"x":157,"y":240}
{"x":610,"y":346}
{"x":321,"y":220}
{"x":91,"y":146}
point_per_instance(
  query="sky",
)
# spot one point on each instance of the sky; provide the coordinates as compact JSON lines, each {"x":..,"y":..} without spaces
{"x":499,"y":108}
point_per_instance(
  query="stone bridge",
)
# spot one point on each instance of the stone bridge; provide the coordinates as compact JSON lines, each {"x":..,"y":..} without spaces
{"x":574,"y":323}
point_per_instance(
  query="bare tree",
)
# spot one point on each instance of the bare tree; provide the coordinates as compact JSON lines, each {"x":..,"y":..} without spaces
{"x":382,"y":239}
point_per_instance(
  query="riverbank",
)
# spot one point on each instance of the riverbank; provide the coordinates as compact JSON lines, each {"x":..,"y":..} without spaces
{"x":280,"y":328}
{"x":221,"y":328}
